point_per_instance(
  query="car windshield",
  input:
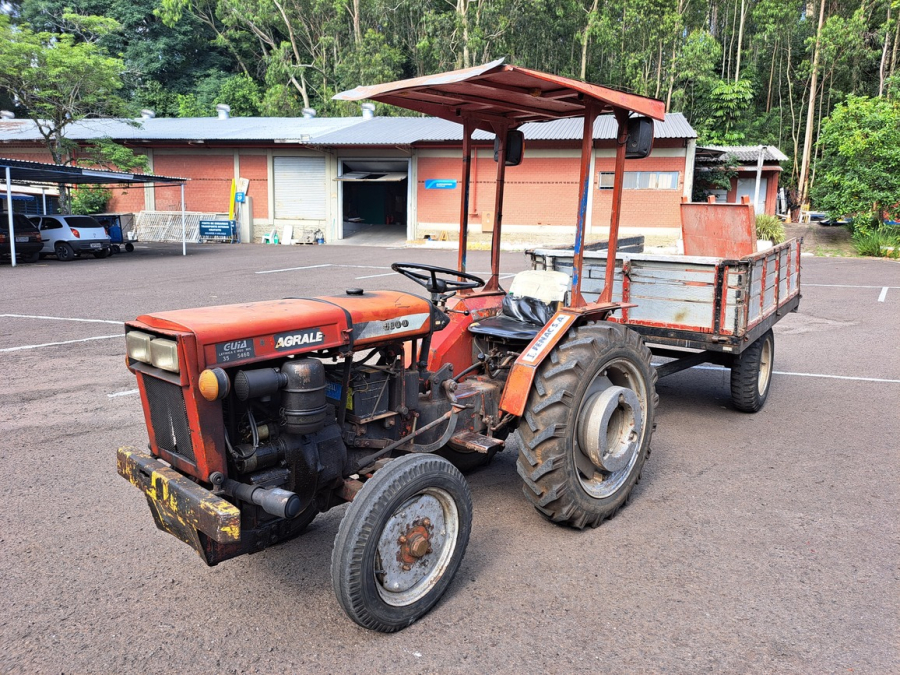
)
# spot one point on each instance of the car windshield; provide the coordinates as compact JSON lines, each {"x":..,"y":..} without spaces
{"x":81,"y":221}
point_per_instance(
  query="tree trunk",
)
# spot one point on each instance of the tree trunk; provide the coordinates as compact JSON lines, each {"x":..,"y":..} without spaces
{"x":586,"y":36}
{"x":811,"y":112}
{"x":882,"y":67}
{"x":740,"y":42}
{"x":771,"y":78}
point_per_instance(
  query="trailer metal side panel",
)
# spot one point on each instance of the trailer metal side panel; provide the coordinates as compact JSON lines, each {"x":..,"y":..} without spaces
{"x":705,"y":302}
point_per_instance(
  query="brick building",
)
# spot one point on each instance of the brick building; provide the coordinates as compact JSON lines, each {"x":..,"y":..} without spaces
{"x":336,"y":175}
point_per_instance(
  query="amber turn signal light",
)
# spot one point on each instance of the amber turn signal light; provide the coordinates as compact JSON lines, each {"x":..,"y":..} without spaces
{"x":214,"y":384}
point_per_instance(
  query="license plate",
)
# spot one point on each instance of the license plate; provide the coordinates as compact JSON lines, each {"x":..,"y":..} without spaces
{"x":95,"y":245}
{"x":21,"y":240}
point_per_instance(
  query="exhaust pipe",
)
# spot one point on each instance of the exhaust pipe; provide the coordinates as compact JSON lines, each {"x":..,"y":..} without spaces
{"x":275,"y":501}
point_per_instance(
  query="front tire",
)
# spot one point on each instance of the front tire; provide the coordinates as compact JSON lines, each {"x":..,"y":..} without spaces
{"x":751,"y":374}
{"x":586,"y":431}
{"x":401,"y":542}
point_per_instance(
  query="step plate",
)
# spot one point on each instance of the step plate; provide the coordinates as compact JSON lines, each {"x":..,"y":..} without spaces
{"x":469,"y":441}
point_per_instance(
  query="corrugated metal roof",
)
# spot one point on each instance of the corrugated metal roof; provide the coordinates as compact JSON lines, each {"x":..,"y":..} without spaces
{"x":334,"y":131}
{"x":291,"y":129}
{"x":410,"y":130}
{"x":748,"y":153}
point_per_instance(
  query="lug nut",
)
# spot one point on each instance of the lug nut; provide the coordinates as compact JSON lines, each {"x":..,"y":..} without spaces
{"x":402,"y":539}
{"x":426,"y":522}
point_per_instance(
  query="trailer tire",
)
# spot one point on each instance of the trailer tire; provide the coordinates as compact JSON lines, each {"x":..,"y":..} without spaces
{"x":383,"y":576}
{"x":751,"y":374}
{"x":597,"y":388}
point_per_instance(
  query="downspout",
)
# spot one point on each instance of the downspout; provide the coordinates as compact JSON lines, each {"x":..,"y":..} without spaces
{"x":9,"y":215}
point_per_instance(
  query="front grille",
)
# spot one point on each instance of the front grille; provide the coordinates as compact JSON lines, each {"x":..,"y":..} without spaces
{"x":168,"y":415}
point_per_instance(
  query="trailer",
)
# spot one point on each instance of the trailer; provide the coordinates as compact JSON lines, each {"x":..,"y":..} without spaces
{"x":698,"y":309}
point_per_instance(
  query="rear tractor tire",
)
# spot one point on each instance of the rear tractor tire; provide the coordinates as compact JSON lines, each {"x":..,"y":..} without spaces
{"x":751,"y":374}
{"x":401,"y":542}
{"x":586,"y":431}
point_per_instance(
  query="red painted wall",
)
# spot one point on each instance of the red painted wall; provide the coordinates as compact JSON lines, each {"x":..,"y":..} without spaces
{"x":544,"y":191}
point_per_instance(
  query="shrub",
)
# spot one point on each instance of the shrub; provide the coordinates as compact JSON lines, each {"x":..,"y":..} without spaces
{"x":87,"y":200}
{"x":770,"y":227}
{"x":883,"y":242}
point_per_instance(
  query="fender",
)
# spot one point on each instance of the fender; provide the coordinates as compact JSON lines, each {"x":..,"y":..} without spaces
{"x":521,"y":376}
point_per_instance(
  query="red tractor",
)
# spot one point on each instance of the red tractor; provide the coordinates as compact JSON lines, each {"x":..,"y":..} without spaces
{"x":262,"y":415}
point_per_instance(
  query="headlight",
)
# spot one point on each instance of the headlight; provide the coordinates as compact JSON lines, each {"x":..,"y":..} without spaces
{"x":164,"y":354}
{"x":137,"y":345}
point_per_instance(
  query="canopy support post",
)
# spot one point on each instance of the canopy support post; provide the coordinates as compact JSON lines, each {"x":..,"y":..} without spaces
{"x":619,"y":179}
{"x":585,"y":183}
{"x":468,"y":128}
{"x":493,"y":283}
{"x":9,"y":215}
{"x":183,"y":226}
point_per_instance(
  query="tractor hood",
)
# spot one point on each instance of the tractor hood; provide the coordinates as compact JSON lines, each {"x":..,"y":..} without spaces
{"x":231,"y":334}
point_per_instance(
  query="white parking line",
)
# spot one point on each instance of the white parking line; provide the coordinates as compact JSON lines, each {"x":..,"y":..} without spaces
{"x":60,"y":318}
{"x":292,"y":269}
{"x":846,"y":286}
{"x":883,"y":294}
{"x":67,"y":342}
{"x":822,"y":375}
{"x":130,"y":392}
{"x":372,"y":276}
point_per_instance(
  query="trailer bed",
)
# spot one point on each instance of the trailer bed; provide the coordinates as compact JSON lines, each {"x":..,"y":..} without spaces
{"x":692,"y":302}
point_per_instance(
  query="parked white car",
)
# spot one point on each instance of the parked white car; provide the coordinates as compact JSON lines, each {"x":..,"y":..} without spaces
{"x":68,"y":237}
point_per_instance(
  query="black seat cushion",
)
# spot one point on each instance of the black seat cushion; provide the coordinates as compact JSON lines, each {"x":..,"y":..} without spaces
{"x":520,"y":318}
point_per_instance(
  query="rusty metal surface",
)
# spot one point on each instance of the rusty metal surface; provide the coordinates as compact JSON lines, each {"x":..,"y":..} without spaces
{"x":505,"y":94}
{"x":473,"y":442}
{"x":180,"y":506}
{"x":718,"y":230}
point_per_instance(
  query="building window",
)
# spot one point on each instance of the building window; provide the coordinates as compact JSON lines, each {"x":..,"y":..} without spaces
{"x":640,"y":180}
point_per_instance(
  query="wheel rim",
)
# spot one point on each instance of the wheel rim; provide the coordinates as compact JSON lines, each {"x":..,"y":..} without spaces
{"x":415,"y":547}
{"x":765,"y":367}
{"x":610,"y":428}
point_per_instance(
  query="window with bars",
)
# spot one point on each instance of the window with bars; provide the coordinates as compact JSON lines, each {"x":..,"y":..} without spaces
{"x":640,"y":180}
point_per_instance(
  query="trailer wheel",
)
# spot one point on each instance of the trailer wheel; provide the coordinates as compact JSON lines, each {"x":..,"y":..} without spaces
{"x":751,"y":374}
{"x":586,"y":431}
{"x":401,"y":542}
{"x":129,"y":247}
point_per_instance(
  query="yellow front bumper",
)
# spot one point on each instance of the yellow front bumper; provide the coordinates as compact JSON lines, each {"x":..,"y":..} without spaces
{"x":180,"y":506}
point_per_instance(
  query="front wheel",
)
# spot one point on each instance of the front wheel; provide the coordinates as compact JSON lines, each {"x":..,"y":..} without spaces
{"x":401,"y":542}
{"x":751,"y":374}
{"x":586,"y":431}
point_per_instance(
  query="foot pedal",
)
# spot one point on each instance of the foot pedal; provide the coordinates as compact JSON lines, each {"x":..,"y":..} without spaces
{"x":469,"y":441}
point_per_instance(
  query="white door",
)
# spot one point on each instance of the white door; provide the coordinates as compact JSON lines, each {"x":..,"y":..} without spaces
{"x":300,"y":187}
{"x":747,"y":186}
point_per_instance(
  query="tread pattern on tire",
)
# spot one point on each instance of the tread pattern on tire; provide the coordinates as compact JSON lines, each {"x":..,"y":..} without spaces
{"x":745,"y":394}
{"x":349,"y":556}
{"x":547,"y":427}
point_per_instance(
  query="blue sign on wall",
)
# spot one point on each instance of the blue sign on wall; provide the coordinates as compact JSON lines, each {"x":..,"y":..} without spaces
{"x":240,"y":197}
{"x":440,"y":184}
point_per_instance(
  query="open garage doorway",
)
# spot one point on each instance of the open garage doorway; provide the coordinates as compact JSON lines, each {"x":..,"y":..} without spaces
{"x":374,"y":198}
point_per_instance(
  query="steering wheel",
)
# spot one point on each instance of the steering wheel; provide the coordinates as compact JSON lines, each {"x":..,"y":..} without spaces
{"x":434,"y":284}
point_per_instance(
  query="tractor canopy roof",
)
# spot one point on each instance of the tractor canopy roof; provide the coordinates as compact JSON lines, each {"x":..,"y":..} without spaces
{"x":501,"y":94}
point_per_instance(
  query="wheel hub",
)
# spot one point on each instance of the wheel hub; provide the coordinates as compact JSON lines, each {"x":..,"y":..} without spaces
{"x":609,"y":430}
{"x":414,"y":547}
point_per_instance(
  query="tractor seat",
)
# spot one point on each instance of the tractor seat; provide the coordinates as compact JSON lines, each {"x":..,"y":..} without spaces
{"x":533,"y":298}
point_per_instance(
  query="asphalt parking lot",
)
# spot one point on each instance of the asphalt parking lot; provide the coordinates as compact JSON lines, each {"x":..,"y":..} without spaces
{"x":754,"y":543}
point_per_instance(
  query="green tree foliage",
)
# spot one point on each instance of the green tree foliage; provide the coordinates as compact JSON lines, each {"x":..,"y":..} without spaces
{"x":57,"y":80}
{"x":859,"y":173}
{"x":742,"y":71}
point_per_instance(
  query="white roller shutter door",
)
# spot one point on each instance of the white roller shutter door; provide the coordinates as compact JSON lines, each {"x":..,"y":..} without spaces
{"x":300,"y":187}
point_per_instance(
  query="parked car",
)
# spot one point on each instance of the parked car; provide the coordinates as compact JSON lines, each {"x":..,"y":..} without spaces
{"x":69,"y":236}
{"x":28,"y":238}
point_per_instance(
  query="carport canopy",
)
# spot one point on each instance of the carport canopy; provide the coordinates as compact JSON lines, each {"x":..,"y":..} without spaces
{"x":20,"y":172}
